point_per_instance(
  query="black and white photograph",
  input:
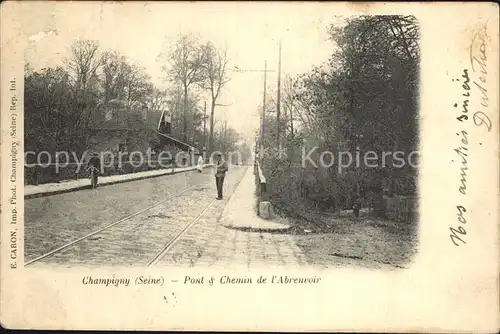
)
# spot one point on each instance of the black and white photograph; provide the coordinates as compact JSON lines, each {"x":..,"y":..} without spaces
{"x":196,"y":151}
{"x":261,"y":166}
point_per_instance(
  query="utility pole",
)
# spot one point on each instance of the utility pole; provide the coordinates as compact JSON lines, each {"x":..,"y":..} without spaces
{"x":205,"y":127}
{"x":279,"y":96}
{"x":263,"y":114}
{"x":291,"y":109}
{"x":224,"y":132}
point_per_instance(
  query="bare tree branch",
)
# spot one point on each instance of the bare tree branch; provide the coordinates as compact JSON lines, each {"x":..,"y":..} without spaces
{"x":186,"y":60}
{"x":216,"y":77}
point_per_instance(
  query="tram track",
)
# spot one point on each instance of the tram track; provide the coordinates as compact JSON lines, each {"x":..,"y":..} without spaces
{"x":153,"y":232}
{"x":102,"y":229}
{"x":171,"y":243}
{"x":161,"y":254}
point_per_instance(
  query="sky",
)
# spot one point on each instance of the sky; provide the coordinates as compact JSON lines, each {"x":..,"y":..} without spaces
{"x":141,"y":31}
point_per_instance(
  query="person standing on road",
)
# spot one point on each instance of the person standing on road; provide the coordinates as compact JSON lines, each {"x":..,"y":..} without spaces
{"x":200,"y":164}
{"x":95,"y":164}
{"x":221,"y":169}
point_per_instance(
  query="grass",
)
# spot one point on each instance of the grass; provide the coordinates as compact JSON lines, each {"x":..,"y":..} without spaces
{"x":331,"y":238}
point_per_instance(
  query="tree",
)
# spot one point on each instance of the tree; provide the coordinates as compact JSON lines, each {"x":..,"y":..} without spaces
{"x":83,"y":62}
{"x":245,"y":152}
{"x":115,"y":71}
{"x":61,"y":103}
{"x":83,"y":66}
{"x":378,"y":58}
{"x":124,"y":80}
{"x":64,"y":105}
{"x":365,"y":97}
{"x":227,"y":140}
{"x":288,"y":102}
{"x":47,"y":101}
{"x":185,"y":68}
{"x":139,"y":87}
{"x":158,"y":100}
{"x":216,"y":76}
{"x":189,"y":118}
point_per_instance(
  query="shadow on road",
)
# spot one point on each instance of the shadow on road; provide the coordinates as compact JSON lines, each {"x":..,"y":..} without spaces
{"x":260,"y":230}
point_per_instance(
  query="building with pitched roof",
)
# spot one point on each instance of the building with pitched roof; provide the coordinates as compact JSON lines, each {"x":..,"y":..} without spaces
{"x":123,"y":128}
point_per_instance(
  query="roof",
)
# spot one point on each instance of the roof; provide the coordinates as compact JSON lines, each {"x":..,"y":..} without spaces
{"x":181,"y":143}
{"x":154,"y":118}
{"x":128,"y":120}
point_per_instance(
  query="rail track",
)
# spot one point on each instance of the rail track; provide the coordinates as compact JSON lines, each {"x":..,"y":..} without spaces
{"x":164,"y":250}
{"x":157,"y":258}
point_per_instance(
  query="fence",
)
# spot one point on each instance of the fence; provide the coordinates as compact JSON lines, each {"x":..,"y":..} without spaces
{"x":35,"y":175}
{"x":403,"y":209}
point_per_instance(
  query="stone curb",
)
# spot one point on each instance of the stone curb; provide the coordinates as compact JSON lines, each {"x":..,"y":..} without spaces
{"x":62,"y":191}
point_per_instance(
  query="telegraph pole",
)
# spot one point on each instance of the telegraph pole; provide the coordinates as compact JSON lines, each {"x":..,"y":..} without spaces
{"x":205,"y":127}
{"x":263,"y":114}
{"x":291,"y":109}
{"x":225,"y":130}
{"x":279,"y":96}
{"x":224,"y":137}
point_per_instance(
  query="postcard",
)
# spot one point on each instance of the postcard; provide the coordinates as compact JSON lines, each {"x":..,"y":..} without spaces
{"x":265,"y":166}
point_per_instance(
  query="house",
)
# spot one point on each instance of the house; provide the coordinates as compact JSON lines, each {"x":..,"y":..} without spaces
{"x":122,"y":128}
